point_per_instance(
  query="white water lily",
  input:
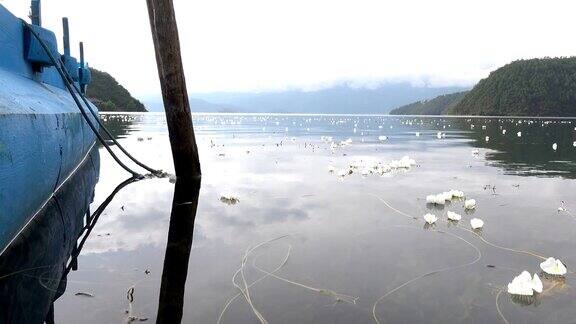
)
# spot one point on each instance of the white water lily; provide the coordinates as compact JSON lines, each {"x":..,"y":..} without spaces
{"x":554,"y":146}
{"x":476,"y":223}
{"x":430,"y":218}
{"x":519,"y":134}
{"x":454,"y":216}
{"x":405,"y":162}
{"x":435,"y":199}
{"x":537,"y":284}
{"x":525,"y":285}
{"x":487,"y":138}
{"x":382,"y":138}
{"x":457,"y":193}
{"x":470,"y":204}
{"x":554,"y":267}
{"x":446,"y":195}
{"x":574,"y":144}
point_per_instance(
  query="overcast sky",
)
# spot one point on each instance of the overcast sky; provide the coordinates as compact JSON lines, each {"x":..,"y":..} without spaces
{"x":254,"y":45}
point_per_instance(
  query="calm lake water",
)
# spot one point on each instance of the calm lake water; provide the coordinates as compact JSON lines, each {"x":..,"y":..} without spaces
{"x":329,"y":239}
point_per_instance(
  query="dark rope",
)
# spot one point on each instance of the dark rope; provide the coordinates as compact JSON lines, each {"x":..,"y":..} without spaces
{"x":71,"y":82}
{"x":66,"y":78}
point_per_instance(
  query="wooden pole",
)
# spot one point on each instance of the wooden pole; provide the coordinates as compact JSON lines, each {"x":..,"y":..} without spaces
{"x":173,"y":84}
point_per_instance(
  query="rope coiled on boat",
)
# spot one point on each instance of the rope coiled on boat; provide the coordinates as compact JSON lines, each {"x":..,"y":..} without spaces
{"x":70,"y":86}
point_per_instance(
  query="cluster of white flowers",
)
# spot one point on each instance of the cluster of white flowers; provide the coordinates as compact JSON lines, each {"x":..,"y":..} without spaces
{"x":553,"y":267}
{"x":441,"y":198}
{"x":366,"y":168}
{"x":525,"y":285}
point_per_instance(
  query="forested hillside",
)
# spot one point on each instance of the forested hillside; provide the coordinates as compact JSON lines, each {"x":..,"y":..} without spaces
{"x":436,"y":106}
{"x":536,"y":87}
{"x":108,"y":95}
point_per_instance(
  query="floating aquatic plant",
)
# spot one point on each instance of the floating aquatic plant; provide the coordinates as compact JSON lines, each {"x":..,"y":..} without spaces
{"x":470,"y":204}
{"x":519,"y":134}
{"x":554,"y":146}
{"x":382,"y":138}
{"x":454,"y":216}
{"x":457,"y":193}
{"x":525,"y":285}
{"x":365,"y":172}
{"x":476,"y":223}
{"x":435,"y":199}
{"x":229,"y":199}
{"x":442,"y":198}
{"x":562,"y":208}
{"x":553,"y":267}
{"x":430,"y":218}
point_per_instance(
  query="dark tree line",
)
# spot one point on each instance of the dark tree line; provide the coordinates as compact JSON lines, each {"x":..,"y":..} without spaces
{"x":108,"y":95}
{"x":535,"y":87}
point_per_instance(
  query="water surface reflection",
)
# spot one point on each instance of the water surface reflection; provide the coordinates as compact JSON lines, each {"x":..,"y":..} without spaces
{"x":341,"y":236}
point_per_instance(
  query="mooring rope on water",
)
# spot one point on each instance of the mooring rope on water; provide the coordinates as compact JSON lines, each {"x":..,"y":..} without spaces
{"x":68,"y":84}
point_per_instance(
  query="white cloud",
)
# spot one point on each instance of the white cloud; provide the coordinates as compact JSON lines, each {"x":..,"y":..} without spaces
{"x":233,"y":45}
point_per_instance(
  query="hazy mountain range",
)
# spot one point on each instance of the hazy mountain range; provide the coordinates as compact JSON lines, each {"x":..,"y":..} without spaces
{"x":338,"y":99}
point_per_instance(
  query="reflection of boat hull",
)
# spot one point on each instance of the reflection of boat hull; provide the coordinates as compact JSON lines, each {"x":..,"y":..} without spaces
{"x":32,"y":268}
{"x":43,"y":137}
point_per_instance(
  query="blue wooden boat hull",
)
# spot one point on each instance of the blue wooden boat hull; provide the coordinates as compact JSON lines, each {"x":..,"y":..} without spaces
{"x":44,"y":249}
{"x":43,"y":136}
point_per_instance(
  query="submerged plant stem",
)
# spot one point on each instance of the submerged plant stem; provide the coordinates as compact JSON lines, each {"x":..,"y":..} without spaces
{"x":476,"y":259}
{"x":229,"y":302}
{"x":498,"y":308}
{"x":326,"y":292}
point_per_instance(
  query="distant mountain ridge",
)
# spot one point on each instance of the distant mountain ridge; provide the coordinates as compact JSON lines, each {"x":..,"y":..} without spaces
{"x":108,"y":95}
{"x":338,"y":99}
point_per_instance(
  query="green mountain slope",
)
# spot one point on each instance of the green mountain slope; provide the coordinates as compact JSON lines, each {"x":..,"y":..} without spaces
{"x":436,"y":106}
{"x":536,"y":87}
{"x":108,"y":95}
